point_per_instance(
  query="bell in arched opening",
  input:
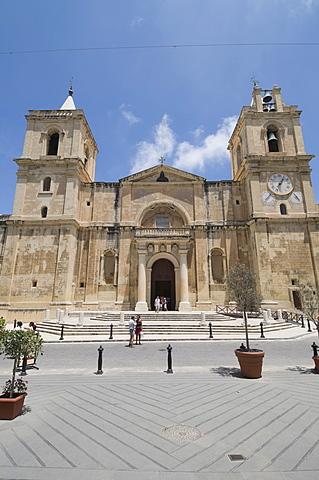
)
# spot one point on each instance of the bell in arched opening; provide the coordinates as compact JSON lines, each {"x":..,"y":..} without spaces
{"x":272,"y":141}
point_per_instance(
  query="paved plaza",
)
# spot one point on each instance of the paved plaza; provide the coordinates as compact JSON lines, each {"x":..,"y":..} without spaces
{"x":79,"y":425}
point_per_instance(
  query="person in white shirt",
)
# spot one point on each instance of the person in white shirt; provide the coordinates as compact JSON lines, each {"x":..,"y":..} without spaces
{"x":157,"y":304}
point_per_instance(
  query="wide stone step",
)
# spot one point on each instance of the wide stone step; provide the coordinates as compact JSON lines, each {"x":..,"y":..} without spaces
{"x":156,"y":329}
{"x":162,"y":317}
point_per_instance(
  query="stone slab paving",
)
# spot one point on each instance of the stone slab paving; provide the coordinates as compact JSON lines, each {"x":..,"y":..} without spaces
{"x":110,"y":426}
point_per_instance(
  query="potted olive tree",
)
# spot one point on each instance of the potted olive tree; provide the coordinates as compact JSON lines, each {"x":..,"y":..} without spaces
{"x":309,"y":297}
{"x":242,"y":288}
{"x":16,"y":344}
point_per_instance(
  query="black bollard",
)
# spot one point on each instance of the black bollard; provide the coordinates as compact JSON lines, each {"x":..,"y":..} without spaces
{"x":261,"y":330}
{"x":62,"y":330}
{"x":210,"y":330}
{"x":302,"y":322}
{"x":169,"y":359}
{"x":315,"y":349}
{"x":14,"y":324}
{"x":24,"y":366}
{"x":111,"y":332}
{"x":309,"y":327}
{"x":242,"y":347}
{"x":99,"y":362}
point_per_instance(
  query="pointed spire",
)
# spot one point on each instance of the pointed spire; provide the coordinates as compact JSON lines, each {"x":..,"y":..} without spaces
{"x":69,"y":102}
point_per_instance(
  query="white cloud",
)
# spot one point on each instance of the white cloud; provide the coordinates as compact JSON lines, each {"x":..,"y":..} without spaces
{"x":184,"y":155}
{"x":298,"y":6}
{"x":148,"y":153}
{"x":137,"y":21}
{"x":212,"y":150}
{"x":128,"y":115}
{"x":198,"y":132}
{"x":309,"y":4}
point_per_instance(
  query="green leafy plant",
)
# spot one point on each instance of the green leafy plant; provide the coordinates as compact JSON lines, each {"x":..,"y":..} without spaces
{"x":242,"y":288}
{"x":17,"y":344}
{"x":20,"y":386}
{"x":2,"y":324}
{"x":309,"y":297}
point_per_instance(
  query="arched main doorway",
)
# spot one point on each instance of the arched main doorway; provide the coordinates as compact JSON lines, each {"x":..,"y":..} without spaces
{"x":163,"y":282}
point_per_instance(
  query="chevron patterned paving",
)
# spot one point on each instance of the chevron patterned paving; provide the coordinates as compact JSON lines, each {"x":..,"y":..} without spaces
{"x":110,"y":426}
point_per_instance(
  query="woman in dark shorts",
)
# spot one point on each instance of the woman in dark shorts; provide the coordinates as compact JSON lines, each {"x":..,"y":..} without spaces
{"x":138,"y":329}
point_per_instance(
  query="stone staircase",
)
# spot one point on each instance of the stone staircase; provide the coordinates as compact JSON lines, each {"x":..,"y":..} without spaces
{"x":161,"y":325}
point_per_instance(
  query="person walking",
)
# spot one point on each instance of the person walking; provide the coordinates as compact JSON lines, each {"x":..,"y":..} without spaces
{"x":157,"y":304}
{"x":164,"y":305}
{"x":131,"y":326}
{"x":19,"y":326}
{"x":138,"y":330}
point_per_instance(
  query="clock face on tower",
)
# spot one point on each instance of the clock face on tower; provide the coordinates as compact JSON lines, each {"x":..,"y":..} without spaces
{"x":280,"y":183}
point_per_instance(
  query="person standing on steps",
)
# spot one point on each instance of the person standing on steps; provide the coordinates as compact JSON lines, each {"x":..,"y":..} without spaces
{"x":164,"y":305}
{"x":138,"y":330}
{"x":131,"y":325}
{"x":157,"y":304}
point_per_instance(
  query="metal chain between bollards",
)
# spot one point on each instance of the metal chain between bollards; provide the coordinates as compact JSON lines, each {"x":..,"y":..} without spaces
{"x":169,"y":359}
{"x":99,"y":361}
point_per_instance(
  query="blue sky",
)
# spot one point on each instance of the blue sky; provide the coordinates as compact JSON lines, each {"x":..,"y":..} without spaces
{"x":143,"y":102}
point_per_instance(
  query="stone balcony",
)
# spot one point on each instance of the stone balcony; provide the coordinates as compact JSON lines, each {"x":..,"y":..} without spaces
{"x":162,"y":232}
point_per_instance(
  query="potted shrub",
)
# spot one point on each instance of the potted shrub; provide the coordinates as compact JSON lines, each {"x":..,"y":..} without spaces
{"x":242,"y":288}
{"x":16,"y":344}
{"x":309,"y":297}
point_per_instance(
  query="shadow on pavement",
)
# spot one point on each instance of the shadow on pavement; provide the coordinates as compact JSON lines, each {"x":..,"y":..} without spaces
{"x":303,"y":370}
{"x":227,"y":372}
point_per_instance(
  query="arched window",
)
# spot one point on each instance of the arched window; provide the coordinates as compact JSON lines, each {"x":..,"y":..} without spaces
{"x":44,"y":212}
{"x":238,"y":156}
{"x":109,"y":267}
{"x":217,"y":265}
{"x":47,"y":184}
{"x":53,"y":144}
{"x":86,"y":155}
{"x":283,"y":209}
{"x":272,"y":137}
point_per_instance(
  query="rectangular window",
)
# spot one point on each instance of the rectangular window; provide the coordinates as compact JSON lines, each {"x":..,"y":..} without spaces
{"x":162,"y":222}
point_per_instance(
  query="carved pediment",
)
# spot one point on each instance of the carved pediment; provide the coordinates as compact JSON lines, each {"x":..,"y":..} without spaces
{"x":163,"y":174}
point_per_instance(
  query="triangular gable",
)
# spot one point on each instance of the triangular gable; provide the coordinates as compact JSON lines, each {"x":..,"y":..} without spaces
{"x":171,"y":173}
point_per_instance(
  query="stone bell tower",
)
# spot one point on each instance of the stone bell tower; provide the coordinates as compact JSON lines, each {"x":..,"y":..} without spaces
{"x":58,"y":159}
{"x":270,"y":161}
{"x":59,"y":153}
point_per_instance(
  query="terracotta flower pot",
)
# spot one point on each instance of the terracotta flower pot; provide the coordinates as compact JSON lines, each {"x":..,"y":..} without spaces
{"x":250,"y":362}
{"x":11,"y":407}
{"x":316,"y":360}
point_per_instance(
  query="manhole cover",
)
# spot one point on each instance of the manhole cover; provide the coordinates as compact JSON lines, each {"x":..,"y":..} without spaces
{"x":236,"y":457}
{"x":181,"y":433}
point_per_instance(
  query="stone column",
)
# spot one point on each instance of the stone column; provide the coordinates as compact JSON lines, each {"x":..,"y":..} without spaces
{"x":184,"y":305}
{"x":81,"y":319}
{"x":141,"y":305}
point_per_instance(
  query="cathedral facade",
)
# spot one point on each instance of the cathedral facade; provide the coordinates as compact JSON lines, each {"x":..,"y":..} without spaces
{"x":72,"y":242}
